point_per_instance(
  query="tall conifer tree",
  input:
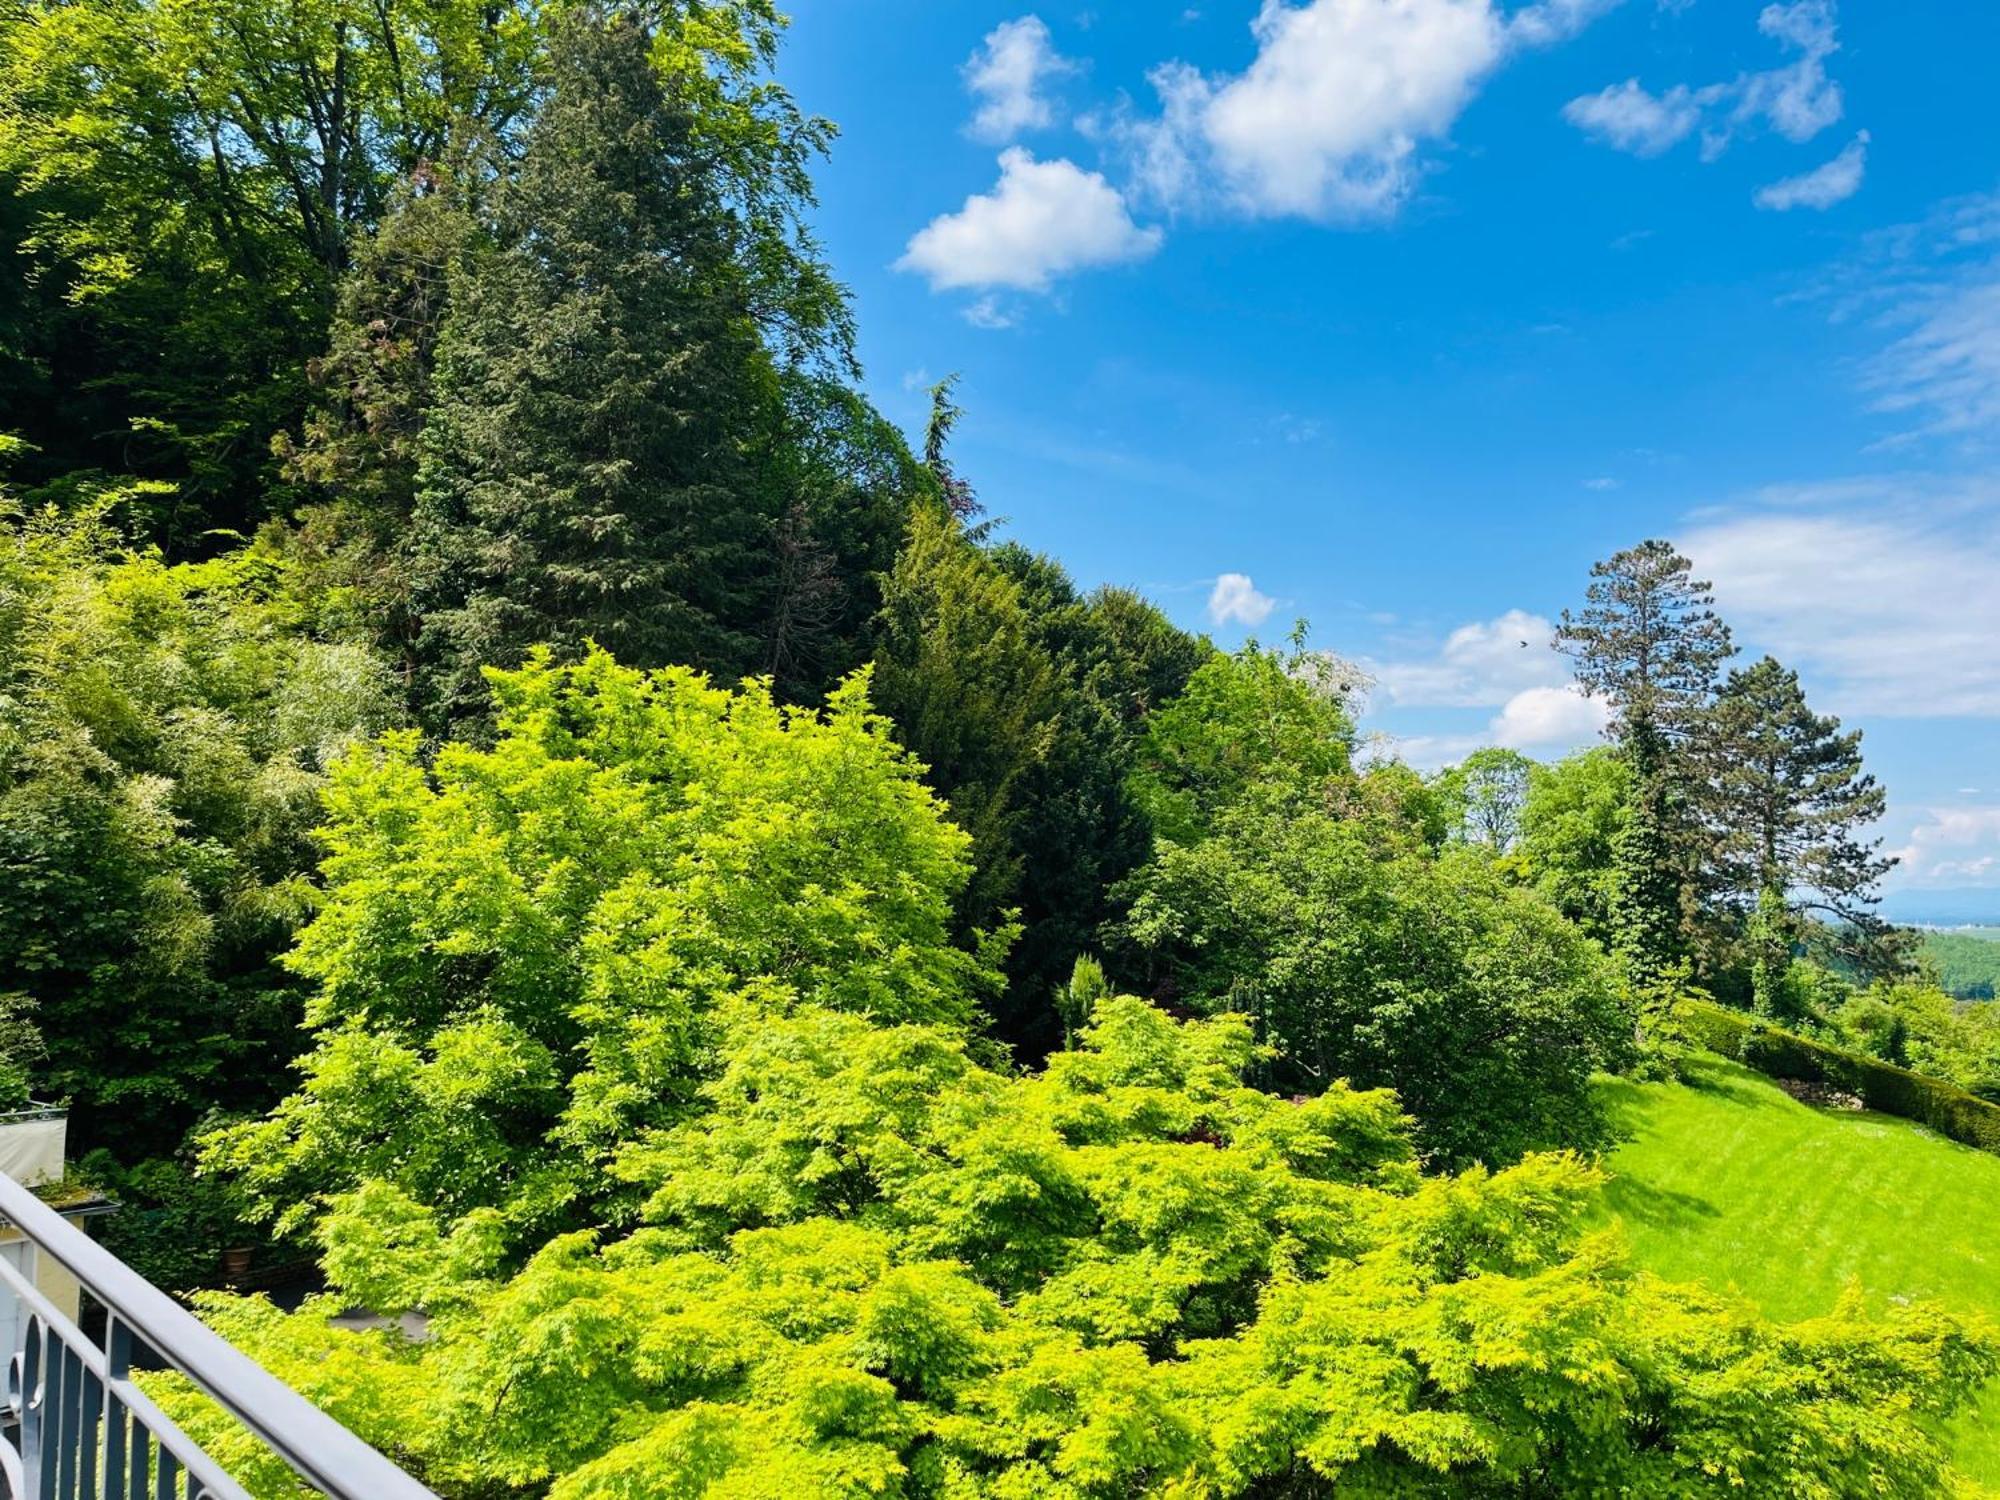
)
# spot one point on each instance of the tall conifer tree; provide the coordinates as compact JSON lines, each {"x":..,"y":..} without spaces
{"x":1649,"y":642}
{"x":1791,"y":806}
{"x":609,"y":376}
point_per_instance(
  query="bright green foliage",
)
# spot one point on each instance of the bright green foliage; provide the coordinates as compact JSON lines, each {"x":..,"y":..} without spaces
{"x":162,"y":736}
{"x":874,"y":1268}
{"x":1365,"y":956}
{"x":522,"y":949}
{"x":1920,"y":1027}
{"x":1571,"y":824}
{"x":1487,"y":792}
{"x":1725,"y":1179}
{"x":1248,"y":718}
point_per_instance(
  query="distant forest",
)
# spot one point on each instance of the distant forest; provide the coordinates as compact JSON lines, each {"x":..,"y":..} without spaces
{"x":1967,"y":959}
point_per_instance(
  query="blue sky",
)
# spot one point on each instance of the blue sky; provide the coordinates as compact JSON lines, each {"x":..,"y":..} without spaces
{"x":1395,"y":314}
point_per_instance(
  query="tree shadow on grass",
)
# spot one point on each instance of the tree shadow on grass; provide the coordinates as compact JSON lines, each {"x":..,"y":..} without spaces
{"x":1657,"y":1207}
{"x":1731,"y":1081}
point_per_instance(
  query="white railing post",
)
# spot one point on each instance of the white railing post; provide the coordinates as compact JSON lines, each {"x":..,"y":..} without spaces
{"x":83,"y":1430}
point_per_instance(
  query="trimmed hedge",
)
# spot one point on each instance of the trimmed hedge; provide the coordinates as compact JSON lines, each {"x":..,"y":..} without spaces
{"x":1944,"y":1107}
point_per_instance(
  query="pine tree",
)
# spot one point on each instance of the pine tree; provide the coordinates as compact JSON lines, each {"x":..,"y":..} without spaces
{"x":1650,"y":643}
{"x":1790,"y":801}
{"x":604,"y":378}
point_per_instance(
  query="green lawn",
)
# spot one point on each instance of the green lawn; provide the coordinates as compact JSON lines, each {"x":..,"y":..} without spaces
{"x":1731,"y":1182}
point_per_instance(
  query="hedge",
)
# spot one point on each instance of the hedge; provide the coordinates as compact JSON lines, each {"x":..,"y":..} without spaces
{"x":1944,"y":1107}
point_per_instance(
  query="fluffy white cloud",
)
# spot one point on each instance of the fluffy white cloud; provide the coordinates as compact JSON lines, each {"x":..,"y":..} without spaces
{"x":1824,"y":186}
{"x":1882,"y":594}
{"x":1329,"y":119}
{"x":1235,"y":600}
{"x":1798,"y":100}
{"x":1008,"y":74}
{"x":1628,"y":118}
{"x":1326,"y":121}
{"x":1042,"y":219}
{"x":1545,"y":718}
{"x":1541,"y":721}
{"x":1480,"y":665}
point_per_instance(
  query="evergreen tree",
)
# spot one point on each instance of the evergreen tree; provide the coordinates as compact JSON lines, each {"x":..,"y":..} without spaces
{"x":606,"y":380}
{"x":1790,"y":803}
{"x":970,"y":691}
{"x":1649,"y":642}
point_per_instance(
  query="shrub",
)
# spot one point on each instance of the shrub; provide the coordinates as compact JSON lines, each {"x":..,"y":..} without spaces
{"x":1882,"y":1086}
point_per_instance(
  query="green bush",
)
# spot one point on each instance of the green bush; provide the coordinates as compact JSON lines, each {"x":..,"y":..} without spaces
{"x":1944,"y":1107}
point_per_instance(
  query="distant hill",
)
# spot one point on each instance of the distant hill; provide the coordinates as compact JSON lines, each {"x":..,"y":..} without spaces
{"x":1732,"y":1182}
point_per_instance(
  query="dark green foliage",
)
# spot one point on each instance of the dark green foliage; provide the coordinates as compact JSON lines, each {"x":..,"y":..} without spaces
{"x":171,"y":1226}
{"x":1944,"y":1107}
{"x":1026,"y":701}
{"x":1649,"y":643}
{"x":21,"y":1050}
{"x":1789,"y":803}
{"x":162,"y":732}
{"x":842,"y":483}
{"x":585,"y":473}
{"x":1364,"y":956}
{"x":187,"y":180}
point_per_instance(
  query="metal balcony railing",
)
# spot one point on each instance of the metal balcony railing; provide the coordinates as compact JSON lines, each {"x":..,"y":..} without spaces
{"x":78,"y":1428}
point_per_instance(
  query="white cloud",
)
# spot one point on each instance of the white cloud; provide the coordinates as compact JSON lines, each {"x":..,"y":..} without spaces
{"x":1798,"y":100}
{"x":990,"y":312}
{"x":1481,"y":665}
{"x":1882,"y":592}
{"x":1626,"y":117}
{"x":1042,"y":219}
{"x":1946,"y":368}
{"x":1008,"y":73}
{"x":1824,"y":186}
{"x":1325,"y":122}
{"x":1551,"y":21}
{"x":1330,"y":118}
{"x":1540,"y":721}
{"x":1543,"y":718}
{"x":1235,"y":600}
{"x":1951,"y":845}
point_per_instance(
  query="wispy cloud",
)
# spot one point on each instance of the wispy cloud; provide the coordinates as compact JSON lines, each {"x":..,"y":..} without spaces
{"x":1931,"y":288}
{"x":1824,"y":186}
{"x":1798,"y":100}
{"x":1009,"y":75}
{"x":1881,"y":590}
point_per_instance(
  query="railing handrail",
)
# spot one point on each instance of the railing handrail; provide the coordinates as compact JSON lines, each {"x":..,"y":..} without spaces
{"x":324,"y":1453}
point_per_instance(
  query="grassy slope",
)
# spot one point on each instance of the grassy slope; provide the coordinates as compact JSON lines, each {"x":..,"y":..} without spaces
{"x":1733,"y":1183}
